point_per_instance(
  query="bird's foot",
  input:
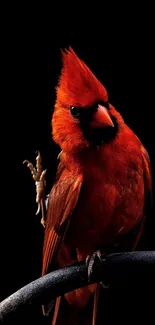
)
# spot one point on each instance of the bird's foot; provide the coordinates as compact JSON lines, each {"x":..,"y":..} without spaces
{"x":90,"y":261}
{"x":39,"y":177}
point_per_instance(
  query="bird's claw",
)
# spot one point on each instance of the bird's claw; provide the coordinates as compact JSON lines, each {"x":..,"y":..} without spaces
{"x":43,"y":222}
{"x":39,"y":177}
{"x":90,"y":260}
{"x":38,"y":210}
{"x":37,"y":173}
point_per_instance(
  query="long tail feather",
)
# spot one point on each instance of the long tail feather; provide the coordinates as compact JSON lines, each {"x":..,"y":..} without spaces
{"x":95,"y":307}
{"x":56,"y":311}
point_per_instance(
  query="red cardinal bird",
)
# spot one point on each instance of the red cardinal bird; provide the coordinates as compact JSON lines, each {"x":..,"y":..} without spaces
{"x":103,"y":182}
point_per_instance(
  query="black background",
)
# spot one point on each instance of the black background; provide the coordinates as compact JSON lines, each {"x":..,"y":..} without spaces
{"x":123,"y":60}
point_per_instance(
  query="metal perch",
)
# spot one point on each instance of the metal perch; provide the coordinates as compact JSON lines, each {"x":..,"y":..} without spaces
{"x":115,"y":269}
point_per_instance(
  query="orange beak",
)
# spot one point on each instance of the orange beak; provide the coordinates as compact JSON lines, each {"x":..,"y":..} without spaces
{"x":101,"y":118}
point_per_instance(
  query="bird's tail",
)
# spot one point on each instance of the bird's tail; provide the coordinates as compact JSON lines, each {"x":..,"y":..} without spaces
{"x":69,"y":314}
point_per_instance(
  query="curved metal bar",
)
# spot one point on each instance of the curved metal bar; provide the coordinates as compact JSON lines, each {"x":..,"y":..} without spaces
{"x":115,"y":269}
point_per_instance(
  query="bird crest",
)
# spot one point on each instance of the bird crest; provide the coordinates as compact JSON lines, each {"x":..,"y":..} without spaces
{"x":77,"y":84}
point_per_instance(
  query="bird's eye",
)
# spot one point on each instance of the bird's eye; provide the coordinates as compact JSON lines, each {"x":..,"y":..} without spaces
{"x":75,"y":111}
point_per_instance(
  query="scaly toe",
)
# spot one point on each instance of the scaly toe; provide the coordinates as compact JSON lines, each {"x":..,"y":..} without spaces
{"x":90,"y":260}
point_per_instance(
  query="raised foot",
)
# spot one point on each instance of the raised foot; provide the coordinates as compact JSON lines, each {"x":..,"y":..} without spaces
{"x":39,"y":177}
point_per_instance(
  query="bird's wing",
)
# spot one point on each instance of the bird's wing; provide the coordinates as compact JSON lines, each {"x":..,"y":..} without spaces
{"x":147,"y":178}
{"x":148,"y":193}
{"x":130,"y":240}
{"x":62,"y":201}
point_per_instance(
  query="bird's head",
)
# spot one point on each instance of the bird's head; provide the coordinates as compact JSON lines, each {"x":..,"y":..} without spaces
{"x":83,"y":116}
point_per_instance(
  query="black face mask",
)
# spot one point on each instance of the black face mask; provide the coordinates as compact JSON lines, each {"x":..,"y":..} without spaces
{"x":99,"y":135}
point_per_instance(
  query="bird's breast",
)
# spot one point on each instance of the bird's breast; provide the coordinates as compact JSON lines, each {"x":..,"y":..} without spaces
{"x":111,"y":200}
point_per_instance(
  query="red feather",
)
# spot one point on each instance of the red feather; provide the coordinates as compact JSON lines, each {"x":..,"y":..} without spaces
{"x":100,"y":194}
{"x":77,"y":84}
